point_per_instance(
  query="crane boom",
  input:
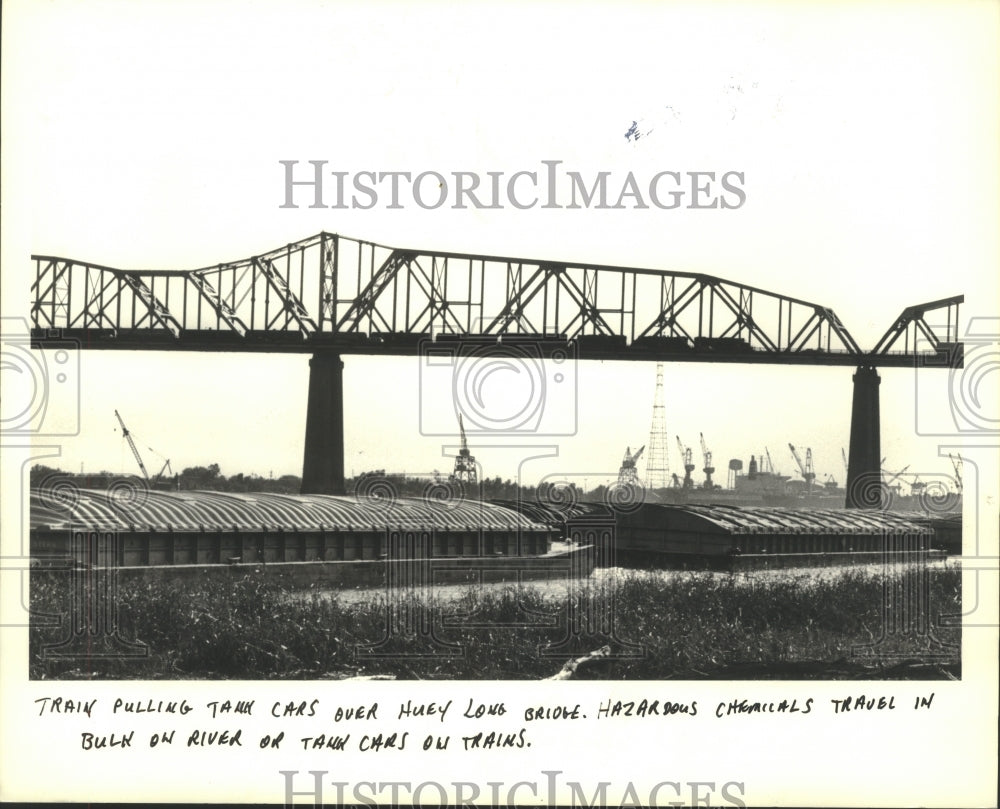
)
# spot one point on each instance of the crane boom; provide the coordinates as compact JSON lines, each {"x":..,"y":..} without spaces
{"x":685,"y":453}
{"x":163,"y":469}
{"x":461,"y":430}
{"x":627,"y":475}
{"x":957,"y":466}
{"x":900,"y":472}
{"x":688,"y":463}
{"x":132,"y":446}
{"x":465,"y":464}
{"x":708,"y":469}
{"x":798,"y":460}
{"x":808,"y":473}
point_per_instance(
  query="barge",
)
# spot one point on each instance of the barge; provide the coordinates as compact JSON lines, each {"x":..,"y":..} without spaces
{"x":298,"y":538}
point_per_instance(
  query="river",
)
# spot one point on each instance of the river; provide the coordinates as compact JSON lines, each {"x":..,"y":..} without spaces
{"x":560,"y":588}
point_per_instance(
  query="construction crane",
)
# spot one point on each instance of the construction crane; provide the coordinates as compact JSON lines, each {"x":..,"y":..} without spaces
{"x":128,"y":437}
{"x":830,"y":482}
{"x":707,"y":456}
{"x":164,"y":468}
{"x":895,"y":475}
{"x":686,"y":458}
{"x":138,"y":458}
{"x":956,"y":464}
{"x":465,"y":463}
{"x":627,"y":474}
{"x":806,"y":469}
{"x":770,"y":464}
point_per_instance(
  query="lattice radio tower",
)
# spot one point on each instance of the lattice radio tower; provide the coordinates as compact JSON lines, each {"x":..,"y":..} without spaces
{"x":657,"y":465}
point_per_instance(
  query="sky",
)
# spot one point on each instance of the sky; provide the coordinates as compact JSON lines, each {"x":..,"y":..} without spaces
{"x":861,"y":148}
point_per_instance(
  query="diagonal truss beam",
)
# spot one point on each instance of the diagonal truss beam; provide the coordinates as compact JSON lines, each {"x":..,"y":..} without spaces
{"x":518,"y":297}
{"x":433,"y":286}
{"x":156,"y":311}
{"x":912,"y":322}
{"x":48,"y":296}
{"x":222,"y":309}
{"x":95,"y":313}
{"x":742,"y":317}
{"x":292,"y":306}
{"x":364,"y":305}
{"x":587,"y":302}
{"x":671,"y":306}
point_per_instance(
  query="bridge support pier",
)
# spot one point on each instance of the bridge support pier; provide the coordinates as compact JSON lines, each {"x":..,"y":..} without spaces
{"x":864,"y":470}
{"x":323,"y":462}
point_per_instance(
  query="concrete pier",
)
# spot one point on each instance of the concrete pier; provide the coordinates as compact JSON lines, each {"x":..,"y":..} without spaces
{"x":323,"y":461}
{"x":864,"y":472}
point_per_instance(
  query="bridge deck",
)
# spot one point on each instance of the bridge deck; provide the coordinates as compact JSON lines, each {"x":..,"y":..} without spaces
{"x":586,"y":348}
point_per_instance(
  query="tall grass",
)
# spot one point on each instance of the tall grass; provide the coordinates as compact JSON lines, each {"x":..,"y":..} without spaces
{"x":697,"y":625}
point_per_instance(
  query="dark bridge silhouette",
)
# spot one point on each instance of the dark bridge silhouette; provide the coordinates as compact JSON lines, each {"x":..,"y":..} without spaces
{"x":330,"y":295}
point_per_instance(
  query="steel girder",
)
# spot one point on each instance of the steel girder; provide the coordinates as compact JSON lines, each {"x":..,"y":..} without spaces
{"x":912,"y":325}
{"x":330,"y":286}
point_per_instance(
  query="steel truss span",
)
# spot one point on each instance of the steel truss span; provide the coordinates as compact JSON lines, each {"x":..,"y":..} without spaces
{"x":330,"y":292}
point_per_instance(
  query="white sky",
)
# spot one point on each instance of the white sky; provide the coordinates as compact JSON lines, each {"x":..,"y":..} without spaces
{"x":154,"y":141}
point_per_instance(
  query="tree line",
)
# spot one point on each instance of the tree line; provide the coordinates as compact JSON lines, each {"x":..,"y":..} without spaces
{"x":377,"y":483}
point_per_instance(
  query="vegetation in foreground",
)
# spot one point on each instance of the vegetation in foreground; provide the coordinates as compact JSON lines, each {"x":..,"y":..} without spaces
{"x":692,"y":627}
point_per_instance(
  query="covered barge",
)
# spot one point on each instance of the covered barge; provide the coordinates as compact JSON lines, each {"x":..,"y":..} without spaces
{"x":349,"y":540}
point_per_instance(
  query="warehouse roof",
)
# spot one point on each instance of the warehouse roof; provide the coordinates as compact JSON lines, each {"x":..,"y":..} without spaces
{"x":186,"y":510}
{"x":554,"y":513}
{"x":774,"y":520}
